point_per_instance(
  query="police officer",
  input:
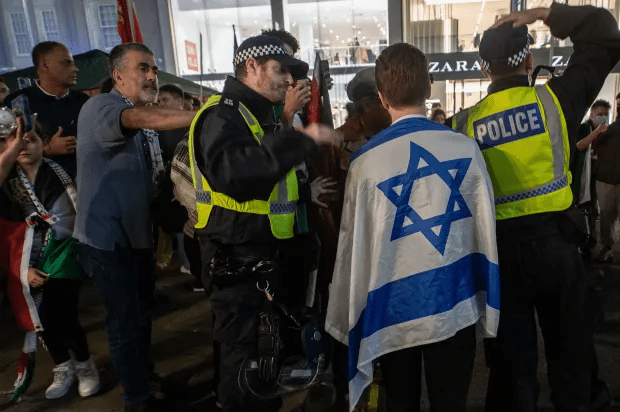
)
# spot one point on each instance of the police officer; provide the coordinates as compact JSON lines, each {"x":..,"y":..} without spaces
{"x":247,"y":190}
{"x":525,"y":134}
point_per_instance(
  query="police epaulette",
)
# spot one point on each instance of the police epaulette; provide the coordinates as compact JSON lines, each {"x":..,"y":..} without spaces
{"x":229,"y":102}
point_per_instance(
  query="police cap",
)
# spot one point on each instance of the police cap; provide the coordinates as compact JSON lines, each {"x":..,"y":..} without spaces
{"x":504,"y":47}
{"x":362,"y":85}
{"x":272,"y":48}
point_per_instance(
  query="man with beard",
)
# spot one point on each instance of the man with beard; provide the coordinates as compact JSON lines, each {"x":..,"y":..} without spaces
{"x":120,"y":168}
{"x":247,"y":190}
{"x":53,"y":100}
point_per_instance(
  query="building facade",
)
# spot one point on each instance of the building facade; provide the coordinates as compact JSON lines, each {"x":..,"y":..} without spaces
{"x":194,"y":38}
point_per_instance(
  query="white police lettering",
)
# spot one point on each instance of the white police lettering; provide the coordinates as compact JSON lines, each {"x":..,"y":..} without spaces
{"x":510,"y":125}
{"x":228,"y":102}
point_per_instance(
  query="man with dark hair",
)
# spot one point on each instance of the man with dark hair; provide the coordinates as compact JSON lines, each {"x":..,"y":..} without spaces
{"x":290,"y":42}
{"x":526,"y":134}
{"x":4,"y":91}
{"x":53,"y":100}
{"x":607,"y":175}
{"x":120,"y":169}
{"x":583,"y":160}
{"x":170,"y":97}
{"x":408,"y":284}
{"x":247,"y":189}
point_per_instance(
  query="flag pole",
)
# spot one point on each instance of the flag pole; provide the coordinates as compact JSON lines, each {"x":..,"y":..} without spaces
{"x":201,"y":70}
{"x":130,"y":14}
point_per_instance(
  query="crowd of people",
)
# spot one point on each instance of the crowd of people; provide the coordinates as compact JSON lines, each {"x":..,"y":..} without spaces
{"x":402,"y":237}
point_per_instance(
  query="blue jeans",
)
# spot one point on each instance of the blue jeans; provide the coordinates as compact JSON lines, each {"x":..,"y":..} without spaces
{"x":125,"y":279}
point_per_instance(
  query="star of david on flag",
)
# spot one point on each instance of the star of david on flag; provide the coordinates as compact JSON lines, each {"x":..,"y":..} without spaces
{"x":456,"y":209}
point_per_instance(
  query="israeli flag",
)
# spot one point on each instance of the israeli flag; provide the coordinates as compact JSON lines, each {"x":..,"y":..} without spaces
{"x":417,"y":256}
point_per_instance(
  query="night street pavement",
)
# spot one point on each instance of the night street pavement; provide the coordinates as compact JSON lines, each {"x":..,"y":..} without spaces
{"x":182,"y":351}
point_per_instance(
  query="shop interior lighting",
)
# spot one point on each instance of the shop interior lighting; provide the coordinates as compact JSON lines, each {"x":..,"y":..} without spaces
{"x":438,"y":2}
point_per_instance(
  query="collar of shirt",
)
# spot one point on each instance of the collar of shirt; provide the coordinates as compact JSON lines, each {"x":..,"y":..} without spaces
{"x":258,"y":105}
{"x":409,"y":116}
{"x":502,"y":84}
{"x":49,"y":94}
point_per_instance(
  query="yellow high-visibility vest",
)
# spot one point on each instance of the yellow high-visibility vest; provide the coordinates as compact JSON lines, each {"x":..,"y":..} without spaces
{"x":523,"y":137}
{"x":282,"y":203}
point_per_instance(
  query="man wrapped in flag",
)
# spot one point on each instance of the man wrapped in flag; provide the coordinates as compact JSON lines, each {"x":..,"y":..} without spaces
{"x":417,"y":256}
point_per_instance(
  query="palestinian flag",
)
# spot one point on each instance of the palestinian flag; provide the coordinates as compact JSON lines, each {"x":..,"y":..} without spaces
{"x":15,"y":247}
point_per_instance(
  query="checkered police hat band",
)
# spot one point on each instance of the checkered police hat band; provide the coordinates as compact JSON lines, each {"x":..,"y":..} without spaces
{"x":512,"y":61}
{"x":258,"y":51}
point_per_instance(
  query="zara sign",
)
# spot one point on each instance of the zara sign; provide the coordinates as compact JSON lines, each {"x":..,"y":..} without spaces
{"x":460,"y":66}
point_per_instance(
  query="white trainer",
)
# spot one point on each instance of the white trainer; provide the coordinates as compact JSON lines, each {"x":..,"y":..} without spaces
{"x":88,"y":378}
{"x":64,"y":376}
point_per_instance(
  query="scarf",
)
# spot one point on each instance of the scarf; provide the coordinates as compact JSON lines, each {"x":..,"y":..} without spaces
{"x":155,"y":154}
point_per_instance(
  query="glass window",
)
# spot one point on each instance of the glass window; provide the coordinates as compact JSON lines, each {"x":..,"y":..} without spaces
{"x":107,"y":26}
{"x":214,"y":19}
{"x":20,"y":33}
{"x":50,"y":25}
{"x":346,"y":33}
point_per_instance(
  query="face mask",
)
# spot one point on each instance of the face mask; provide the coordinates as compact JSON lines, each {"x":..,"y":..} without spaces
{"x":599,"y":120}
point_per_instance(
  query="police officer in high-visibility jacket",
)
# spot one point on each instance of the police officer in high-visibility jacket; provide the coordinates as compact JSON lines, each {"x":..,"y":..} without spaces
{"x":526,"y":135}
{"x":243,"y":168}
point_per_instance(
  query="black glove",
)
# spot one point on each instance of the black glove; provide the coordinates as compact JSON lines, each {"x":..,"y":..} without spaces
{"x":269,"y":345}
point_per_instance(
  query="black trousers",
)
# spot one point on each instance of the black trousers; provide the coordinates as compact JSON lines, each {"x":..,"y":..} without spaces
{"x":62,"y":331}
{"x":543,"y":275}
{"x":191,"y":247}
{"x":448,"y":366}
{"x":236,"y":310}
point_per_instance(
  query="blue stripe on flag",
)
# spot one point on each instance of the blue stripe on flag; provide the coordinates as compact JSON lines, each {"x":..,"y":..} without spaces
{"x":411,"y":125}
{"x":424,"y":294}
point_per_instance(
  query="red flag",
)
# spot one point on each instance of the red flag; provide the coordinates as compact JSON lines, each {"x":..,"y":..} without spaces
{"x":15,"y":247}
{"x":127,"y":22}
{"x":314,"y":107}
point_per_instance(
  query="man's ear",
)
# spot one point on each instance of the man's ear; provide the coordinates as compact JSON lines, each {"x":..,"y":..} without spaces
{"x":428,"y":91}
{"x":251,"y":65}
{"x":529,"y":65}
{"x":117,"y":76}
{"x":384,"y":101}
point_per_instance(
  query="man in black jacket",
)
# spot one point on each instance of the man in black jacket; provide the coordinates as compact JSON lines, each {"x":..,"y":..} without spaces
{"x":540,"y":271}
{"x":53,"y":100}
{"x":239,"y":165}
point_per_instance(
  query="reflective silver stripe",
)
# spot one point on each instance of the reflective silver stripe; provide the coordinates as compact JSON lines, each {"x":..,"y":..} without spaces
{"x":547,"y":188}
{"x":282,"y":206}
{"x":554,"y":128}
{"x":203,"y":197}
{"x":250,"y":121}
{"x":461,"y":121}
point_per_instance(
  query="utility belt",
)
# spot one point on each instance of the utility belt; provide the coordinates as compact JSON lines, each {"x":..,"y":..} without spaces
{"x":231,"y":269}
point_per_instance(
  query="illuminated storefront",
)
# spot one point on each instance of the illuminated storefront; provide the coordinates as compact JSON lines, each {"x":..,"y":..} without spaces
{"x":350,"y":34}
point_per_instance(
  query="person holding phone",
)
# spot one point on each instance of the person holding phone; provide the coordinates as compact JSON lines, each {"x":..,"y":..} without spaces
{"x":607,"y":175}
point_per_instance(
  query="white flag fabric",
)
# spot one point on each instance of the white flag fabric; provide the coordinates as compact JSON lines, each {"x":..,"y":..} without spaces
{"x":417,"y":255}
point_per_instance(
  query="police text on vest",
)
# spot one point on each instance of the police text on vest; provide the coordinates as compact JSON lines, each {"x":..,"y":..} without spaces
{"x":508,"y":126}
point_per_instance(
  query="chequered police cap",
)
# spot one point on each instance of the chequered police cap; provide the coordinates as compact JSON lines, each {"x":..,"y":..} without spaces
{"x":259,"y":46}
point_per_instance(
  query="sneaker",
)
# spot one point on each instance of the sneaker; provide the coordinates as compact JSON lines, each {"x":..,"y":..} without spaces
{"x":198,"y":286}
{"x":64,"y":376}
{"x":185,"y":270}
{"x":88,"y":378}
